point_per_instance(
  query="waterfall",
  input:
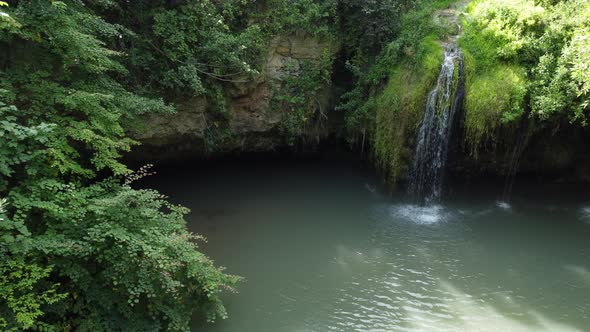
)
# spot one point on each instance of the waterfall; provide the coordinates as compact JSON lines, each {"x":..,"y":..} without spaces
{"x":435,"y":132}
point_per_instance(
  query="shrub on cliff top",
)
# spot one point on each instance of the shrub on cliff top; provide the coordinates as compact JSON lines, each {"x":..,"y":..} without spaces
{"x":525,"y":56}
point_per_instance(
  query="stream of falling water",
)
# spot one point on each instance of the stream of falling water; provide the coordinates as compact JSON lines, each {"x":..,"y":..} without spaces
{"x":434,"y":135}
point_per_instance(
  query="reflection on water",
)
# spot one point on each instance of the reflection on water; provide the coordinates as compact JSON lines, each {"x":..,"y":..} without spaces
{"x":322,"y":248}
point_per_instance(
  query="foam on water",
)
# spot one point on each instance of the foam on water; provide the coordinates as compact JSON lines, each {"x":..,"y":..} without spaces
{"x":504,"y":205}
{"x":424,"y":215}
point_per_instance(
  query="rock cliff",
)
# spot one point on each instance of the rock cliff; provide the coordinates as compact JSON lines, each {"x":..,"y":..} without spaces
{"x":252,"y":122}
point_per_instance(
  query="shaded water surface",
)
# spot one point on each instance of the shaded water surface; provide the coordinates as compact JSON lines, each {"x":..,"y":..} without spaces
{"x":322,"y":248}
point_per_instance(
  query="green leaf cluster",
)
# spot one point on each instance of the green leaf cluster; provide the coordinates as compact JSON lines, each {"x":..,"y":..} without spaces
{"x":79,"y":249}
{"x":534,"y":56}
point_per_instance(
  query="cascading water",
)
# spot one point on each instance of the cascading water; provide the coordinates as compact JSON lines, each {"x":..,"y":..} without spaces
{"x":434,"y":135}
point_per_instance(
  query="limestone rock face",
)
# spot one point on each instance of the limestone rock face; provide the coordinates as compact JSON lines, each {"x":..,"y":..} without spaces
{"x":252,"y":123}
{"x":251,"y":113}
{"x":162,"y":130}
{"x":284,"y":50}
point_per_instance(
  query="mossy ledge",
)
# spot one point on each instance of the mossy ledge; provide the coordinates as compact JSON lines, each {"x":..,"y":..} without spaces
{"x":400,"y":105}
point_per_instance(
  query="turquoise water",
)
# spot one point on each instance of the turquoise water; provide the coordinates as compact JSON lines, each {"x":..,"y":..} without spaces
{"x":323,"y":248}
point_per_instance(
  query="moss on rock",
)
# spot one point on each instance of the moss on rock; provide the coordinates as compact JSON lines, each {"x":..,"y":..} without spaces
{"x":399,"y":108}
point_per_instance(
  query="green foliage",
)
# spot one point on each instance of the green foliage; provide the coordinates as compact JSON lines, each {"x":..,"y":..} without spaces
{"x":60,"y":72}
{"x":23,"y":294}
{"x":489,"y":69}
{"x":399,"y":108}
{"x":485,"y":111}
{"x":77,"y":253}
{"x":533,"y":55}
{"x":316,"y":18}
{"x":193,"y":47}
{"x":370,"y":25}
{"x":411,"y":47}
{"x":17,"y":141}
{"x":24,"y":289}
{"x":197,"y":44}
{"x":7,"y":23}
{"x":300,"y":92}
{"x":124,"y":256}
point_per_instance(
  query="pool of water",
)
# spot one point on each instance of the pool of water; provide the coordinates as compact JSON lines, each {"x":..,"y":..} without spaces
{"x":323,"y":248}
